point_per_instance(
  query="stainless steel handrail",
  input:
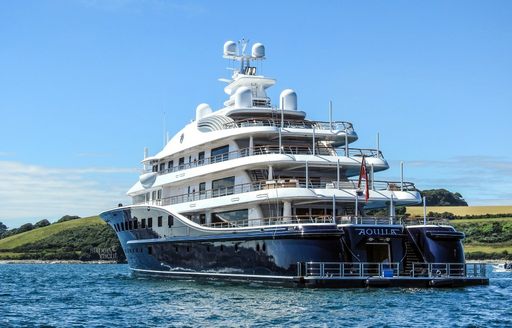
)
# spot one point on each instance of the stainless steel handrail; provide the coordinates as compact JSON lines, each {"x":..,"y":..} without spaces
{"x":271,"y":184}
{"x":287,"y":123}
{"x":366,"y":269}
{"x":351,"y":269}
{"x":266,"y":150}
{"x":437,"y":270}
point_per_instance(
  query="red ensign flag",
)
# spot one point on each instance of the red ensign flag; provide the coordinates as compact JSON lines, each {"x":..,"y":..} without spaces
{"x":363,"y":173}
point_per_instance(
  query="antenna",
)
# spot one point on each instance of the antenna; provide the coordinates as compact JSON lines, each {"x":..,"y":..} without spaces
{"x":165,"y":131}
{"x":243,"y":43}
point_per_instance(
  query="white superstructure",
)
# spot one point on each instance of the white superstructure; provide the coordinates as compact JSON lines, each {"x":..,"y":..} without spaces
{"x":257,"y":159}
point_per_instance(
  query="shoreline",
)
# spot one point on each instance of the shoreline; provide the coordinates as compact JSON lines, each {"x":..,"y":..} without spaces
{"x":56,"y":262}
{"x":114,"y":262}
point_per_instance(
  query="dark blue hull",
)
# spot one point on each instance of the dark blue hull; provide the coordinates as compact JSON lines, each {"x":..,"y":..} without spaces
{"x":280,"y":254}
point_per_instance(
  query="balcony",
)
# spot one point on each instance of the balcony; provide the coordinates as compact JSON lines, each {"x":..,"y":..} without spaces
{"x":277,"y":184}
{"x":273,"y":149}
{"x":296,"y":124}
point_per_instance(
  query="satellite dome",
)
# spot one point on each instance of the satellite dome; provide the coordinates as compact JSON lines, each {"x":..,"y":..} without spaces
{"x":288,"y":100}
{"x":258,"y":50}
{"x":230,"y":48}
{"x":202,"y":110}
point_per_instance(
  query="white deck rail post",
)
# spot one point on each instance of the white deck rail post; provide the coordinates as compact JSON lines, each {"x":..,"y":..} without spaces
{"x":307,"y":175}
{"x":346,"y":143}
{"x":314,"y":141}
{"x":372,"y":176}
{"x":424,"y":210}
{"x":357,"y":206}
{"x":280,"y":131}
{"x":391,"y":210}
{"x":334,"y":208}
{"x":378,"y":145}
{"x":330,"y":116}
{"x":401,"y":176}
{"x":337,"y":173}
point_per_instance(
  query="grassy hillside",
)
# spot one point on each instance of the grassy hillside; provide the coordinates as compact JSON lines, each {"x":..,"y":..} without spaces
{"x":486,"y":238}
{"x":80,"y":239}
{"x":35,"y":235}
{"x":460,"y":210}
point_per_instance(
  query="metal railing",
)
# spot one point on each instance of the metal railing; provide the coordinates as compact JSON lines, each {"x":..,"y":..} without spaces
{"x":271,"y":221}
{"x":266,"y":150}
{"x":287,"y":123}
{"x":389,"y":270}
{"x":349,"y":269}
{"x":272,"y":184}
{"x":438,"y":270}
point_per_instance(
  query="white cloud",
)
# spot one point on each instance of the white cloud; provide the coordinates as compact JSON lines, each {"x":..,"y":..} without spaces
{"x":31,"y":192}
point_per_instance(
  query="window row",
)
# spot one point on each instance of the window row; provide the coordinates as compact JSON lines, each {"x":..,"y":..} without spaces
{"x":142,"y":224}
{"x":218,"y":154}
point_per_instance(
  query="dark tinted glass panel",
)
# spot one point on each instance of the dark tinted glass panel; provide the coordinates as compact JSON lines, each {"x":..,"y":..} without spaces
{"x":220,"y":154}
{"x":150,"y":222}
{"x":159,"y":221}
{"x":222,"y":187}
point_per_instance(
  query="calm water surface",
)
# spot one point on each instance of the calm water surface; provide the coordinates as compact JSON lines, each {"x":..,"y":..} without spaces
{"x":95,"y":295}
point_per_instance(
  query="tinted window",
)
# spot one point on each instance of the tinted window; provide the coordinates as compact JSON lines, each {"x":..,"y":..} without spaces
{"x":170,"y":220}
{"x":143,"y":223}
{"x":159,"y":221}
{"x":150,"y":222}
{"x":222,"y":187}
{"x":220,"y":154}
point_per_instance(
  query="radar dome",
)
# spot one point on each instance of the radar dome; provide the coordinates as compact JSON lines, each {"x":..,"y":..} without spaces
{"x":202,"y":110}
{"x":230,"y":48}
{"x":258,"y":50}
{"x":288,"y":100}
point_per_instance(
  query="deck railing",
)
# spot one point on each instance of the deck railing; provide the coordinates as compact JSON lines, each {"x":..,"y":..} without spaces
{"x":275,"y":184}
{"x":349,"y":269}
{"x":272,"y":221}
{"x":289,"y":124}
{"x":271,"y":149}
{"x":435,"y":270}
{"x":365,"y":269}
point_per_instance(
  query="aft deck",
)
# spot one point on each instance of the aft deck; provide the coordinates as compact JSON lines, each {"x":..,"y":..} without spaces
{"x":363,"y":274}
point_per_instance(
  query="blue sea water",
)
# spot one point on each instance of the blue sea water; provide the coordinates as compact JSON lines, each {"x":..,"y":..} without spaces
{"x":102,"y":295}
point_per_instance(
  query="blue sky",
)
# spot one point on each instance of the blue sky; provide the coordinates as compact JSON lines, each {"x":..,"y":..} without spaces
{"x":85,"y":86}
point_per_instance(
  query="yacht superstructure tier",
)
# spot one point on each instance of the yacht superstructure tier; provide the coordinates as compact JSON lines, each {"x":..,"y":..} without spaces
{"x":258,"y":191}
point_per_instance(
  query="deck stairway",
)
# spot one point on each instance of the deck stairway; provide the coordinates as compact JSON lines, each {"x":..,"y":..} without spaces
{"x":411,"y":257}
{"x":258,"y":175}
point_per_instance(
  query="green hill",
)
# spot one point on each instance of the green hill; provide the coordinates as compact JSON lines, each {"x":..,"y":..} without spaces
{"x":80,"y":239}
{"x":489,"y":238}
